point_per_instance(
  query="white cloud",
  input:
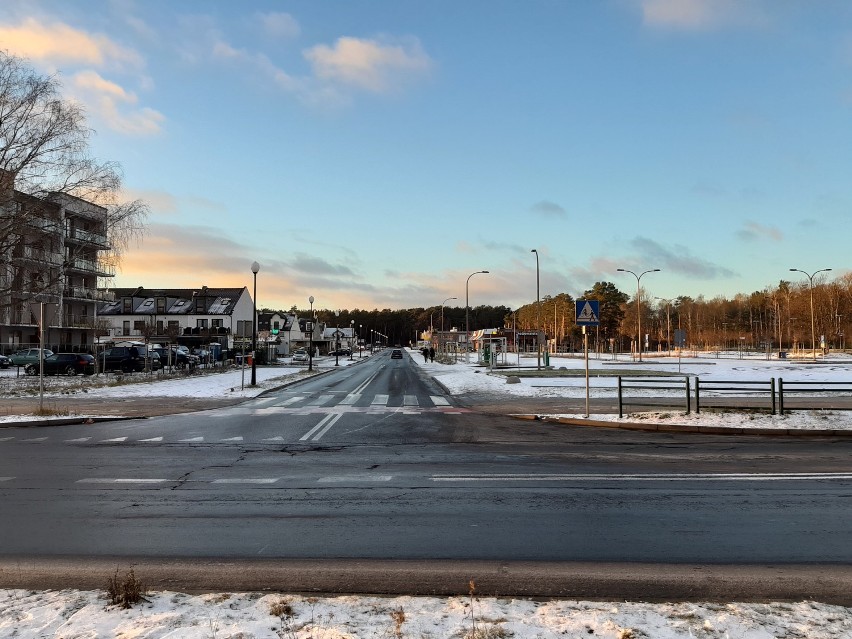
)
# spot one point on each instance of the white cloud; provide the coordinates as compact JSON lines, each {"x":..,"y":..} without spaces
{"x":369,"y":65}
{"x":696,"y":15}
{"x":59,"y":44}
{"x":116,"y":106}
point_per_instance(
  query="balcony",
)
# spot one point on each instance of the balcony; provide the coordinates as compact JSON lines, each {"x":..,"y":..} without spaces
{"x":88,"y":237}
{"x":39,"y":255}
{"x":92,"y":267}
{"x":84,"y":293}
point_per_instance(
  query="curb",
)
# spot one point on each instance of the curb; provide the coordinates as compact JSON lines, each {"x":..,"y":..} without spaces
{"x":68,"y":421}
{"x":679,"y":428}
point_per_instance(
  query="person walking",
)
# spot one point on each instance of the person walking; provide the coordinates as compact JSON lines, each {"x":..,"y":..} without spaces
{"x":432,"y":353}
{"x":425,"y":352}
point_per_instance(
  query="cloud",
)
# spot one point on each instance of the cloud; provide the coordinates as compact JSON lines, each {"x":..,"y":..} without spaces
{"x":753,"y":231}
{"x":164,"y":203}
{"x":699,"y":15}
{"x":678,"y":260}
{"x":369,"y":65}
{"x":545,"y":208}
{"x":279,"y":25}
{"x":116,"y":106}
{"x":58,"y":44}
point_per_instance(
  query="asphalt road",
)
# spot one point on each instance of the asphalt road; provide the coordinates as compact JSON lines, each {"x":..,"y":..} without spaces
{"x":374,"y":463}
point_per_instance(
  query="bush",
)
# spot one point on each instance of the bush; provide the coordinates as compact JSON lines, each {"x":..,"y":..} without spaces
{"x":127,"y":592}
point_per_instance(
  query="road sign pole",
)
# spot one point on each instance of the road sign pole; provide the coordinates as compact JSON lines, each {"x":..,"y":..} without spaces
{"x":586,"y":353}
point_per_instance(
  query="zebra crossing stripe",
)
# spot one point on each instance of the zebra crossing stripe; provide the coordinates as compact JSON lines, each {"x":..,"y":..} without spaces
{"x":114,"y":440}
{"x":410,"y":400}
{"x":191,"y":440}
{"x":79,"y":440}
{"x":439,"y":401}
{"x":380,"y":400}
{"x":153,"y":439}
{"x":350,"y":399}
{"x":322,"y":399}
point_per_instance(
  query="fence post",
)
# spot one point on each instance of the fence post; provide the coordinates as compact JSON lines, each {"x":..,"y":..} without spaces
{"x":697,"y":395}
{"x":772,"y":390}
{"x":619,"y":398}
{"x":688,"y":398}
{"x":780,"y":395}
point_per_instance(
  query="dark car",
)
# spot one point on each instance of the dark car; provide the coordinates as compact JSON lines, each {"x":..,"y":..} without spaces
{"x":177,"y":359}
{"x":127,"y":359}
{"x":396,"y":354}
{"x":65,"y":364}
{"x":5,"y":362}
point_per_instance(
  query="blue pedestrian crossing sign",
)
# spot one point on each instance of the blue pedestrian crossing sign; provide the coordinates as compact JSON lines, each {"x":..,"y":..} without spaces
{"x":587,"y":313}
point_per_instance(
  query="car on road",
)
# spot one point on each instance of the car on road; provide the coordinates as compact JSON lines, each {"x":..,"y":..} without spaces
{"x":28,"y":356}
{"x":5,"y":362}
{"x":300,"y":356}
{"x":64,"y":364}
{"x":396,"y":354}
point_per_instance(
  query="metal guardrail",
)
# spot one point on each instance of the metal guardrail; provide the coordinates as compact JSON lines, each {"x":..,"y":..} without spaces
{"x":809,"y":388}
{"x":660,"y":383}
{"x":737,"y":387}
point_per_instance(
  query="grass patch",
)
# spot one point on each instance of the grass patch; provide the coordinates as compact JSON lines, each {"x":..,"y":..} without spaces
{"x":126,"y":591}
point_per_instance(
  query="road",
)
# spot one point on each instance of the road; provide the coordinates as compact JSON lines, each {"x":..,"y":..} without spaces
{"x":375,"y":461}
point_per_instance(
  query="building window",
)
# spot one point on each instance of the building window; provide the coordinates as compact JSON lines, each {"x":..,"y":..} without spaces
{"x":126,"y":327}
{"x":199,"y":304}
{"x":216,"y":323}
{"x":161,"y":304}
{"x":139,"y":325}
{"x":201,"y":323}
{"x":159,"y":327}
{"x":126,"y":305}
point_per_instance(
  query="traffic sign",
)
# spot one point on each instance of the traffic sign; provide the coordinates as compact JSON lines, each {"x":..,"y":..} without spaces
{"x":587,"y":313}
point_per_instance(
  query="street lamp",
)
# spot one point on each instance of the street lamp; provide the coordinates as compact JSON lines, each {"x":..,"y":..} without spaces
{"x":351,"y":336}
{"x":360,"y":341}
{"x":467,"y":315}
{"x":811,"y":280}
{"x":638,"y":308}
{"x":537,"y":311}
{"x":668,"y":323}
{"x":255,"y":267}
{"x":442,"y":318}
{"x":311,"y":338}
{"x":337,"y":338}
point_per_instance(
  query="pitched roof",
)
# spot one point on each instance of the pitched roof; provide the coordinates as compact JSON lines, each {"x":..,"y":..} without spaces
{"x":179,"y":301}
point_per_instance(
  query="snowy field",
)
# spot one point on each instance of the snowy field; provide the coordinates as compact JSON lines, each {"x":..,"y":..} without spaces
{"x":168,"y":615}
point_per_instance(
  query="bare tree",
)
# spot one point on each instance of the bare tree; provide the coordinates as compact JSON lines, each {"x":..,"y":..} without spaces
{"x":45,"y":157}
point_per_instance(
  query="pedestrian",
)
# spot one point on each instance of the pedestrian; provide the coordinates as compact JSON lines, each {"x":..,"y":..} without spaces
{"x":425,"y":352}
{"x":432,"y":353}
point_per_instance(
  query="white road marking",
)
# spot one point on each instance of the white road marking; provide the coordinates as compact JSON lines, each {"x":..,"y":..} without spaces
{"x":439,"y":401}
{"x":6,"y":439}
{"x":103,"y":480}
{"x":232,"y":439}
{"x":292,"y":400}
{"x":273,"y":439}
{"x":352,"y":478}
{"x":6,"y":478}
{"x":115,"y":440}
{"x":410,"y":400}
{"x":191,"y":440}
{"x":322,"y":399}
{"x":271,"y":480}
{"x":153,"y":439}
{"x":350,"y":399}
{"x":648,"y":477}
{"x":35,"y":439}
{"x":330,"y":423}
{"x":380,"y":400}
{"x":361,"y":388}
{"x":79,"y":440}
{"x":322,"y":423}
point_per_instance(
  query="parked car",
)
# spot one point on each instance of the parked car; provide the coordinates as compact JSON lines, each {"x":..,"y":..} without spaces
{"x":65,"y":364}
{"x":127,"y":359}
{"x":176,"y":358}
{"x":28,"y":356}
{"x":5,"y":362}
{"x":300,"y":356}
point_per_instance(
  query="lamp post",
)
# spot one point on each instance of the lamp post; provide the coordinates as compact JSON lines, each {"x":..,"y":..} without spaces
{"x":638,"y":308}
{"x":255,"y":267}
{"x":337,"y":337}
{"x":537,"y":311}
{"x":668,"y":323}
{"x":813,"y":328}
{"x":360,"y":345}
{"x":351,"y":336}
{"x":311,"y":338}
{"x":467,"y":315}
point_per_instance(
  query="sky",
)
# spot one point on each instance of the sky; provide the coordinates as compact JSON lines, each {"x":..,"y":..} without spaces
{"x":377,"y":154}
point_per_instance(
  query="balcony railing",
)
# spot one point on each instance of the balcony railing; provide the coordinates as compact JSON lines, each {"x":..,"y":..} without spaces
{"x":101,"y":269}
{"x":84,"y":293}
{"x":40,"y":255}
{"x":98,"y":239}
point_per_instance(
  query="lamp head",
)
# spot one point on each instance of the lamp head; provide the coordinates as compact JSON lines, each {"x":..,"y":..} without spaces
{"x":621,"y":270}
{"x":311,"y":299}
{"x":255,"y":267}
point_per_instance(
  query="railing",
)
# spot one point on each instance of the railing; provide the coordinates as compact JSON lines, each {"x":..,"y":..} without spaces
{"x":809,"y":388}
{"x":102,"y":269}
{"x":740,"y":388}
{"x":85,"y":293}
{"x":98,"y":239}
{"x":675,"y":385}
{"x":40,"y":255}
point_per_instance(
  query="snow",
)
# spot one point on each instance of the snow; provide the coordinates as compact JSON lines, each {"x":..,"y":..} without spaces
{"x":74,"y":614}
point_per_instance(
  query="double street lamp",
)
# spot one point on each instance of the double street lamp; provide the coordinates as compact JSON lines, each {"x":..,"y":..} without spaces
{"x":467,"y":314}
{"x":638,"y":308}
{"x":255,"y":267}
{"x":811,"y":280}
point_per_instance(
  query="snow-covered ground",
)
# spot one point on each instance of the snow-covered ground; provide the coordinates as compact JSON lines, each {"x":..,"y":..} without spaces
{"x":167,"y":615}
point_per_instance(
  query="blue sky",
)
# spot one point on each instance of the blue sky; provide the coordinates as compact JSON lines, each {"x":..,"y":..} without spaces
{"x":375,"y":154}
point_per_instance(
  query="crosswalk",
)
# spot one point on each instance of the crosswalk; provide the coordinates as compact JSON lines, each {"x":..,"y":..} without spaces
{"x":349,"y":402}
